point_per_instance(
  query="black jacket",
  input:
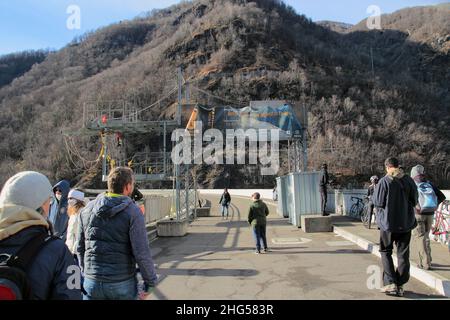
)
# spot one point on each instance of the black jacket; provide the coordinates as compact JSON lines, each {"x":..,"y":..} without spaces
{"x":225,"y":199}
{"x":395,"y":196}
{"x":136,"y":195}
{"x":324,"y":178}
{"x":370,"y":191}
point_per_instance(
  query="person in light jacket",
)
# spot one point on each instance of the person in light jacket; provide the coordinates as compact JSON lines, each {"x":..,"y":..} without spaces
{"x":421,"y":234}
{"x":76,"y":203}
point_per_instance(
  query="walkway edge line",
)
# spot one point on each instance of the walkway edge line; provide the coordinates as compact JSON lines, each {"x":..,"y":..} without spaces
{"x":429,"y":278}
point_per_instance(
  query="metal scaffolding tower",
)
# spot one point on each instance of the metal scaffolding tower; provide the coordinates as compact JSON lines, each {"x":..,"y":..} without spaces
{"x":125,"y":119}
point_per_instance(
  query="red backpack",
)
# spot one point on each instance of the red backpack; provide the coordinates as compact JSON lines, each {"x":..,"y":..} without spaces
{"x":14,"y":284}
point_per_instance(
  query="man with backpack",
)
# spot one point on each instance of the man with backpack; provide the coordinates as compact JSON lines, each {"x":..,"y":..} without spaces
{"x":429,"y":199}
{"x":33,"y":264}
{"x":395,"y":197}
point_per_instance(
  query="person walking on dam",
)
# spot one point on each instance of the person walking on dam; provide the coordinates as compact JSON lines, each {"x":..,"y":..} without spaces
{"x":257,"y":218}
{"x":225,"y":201}
{"x":395,"y":197}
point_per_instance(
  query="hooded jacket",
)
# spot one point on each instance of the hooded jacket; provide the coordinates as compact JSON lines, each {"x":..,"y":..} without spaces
{"x":395,"y":196}
{"x":112,"y":238}
{"x":48,"y":274}
{"x":59,"y":208}
{"x":257,"y":213}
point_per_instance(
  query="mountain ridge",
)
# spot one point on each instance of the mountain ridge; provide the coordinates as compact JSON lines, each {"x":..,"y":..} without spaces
{"x":242,"y":50}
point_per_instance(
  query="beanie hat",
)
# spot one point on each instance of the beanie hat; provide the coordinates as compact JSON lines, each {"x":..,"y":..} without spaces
{"x":417,"y":170}
{"x":29,"y":189}
{"x":77,"y":195}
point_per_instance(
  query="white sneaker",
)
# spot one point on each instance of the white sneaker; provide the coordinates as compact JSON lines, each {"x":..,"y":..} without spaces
{"x":389,"y":289}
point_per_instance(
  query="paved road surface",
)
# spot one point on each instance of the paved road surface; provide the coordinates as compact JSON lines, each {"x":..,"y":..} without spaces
{"x":216,"y":260}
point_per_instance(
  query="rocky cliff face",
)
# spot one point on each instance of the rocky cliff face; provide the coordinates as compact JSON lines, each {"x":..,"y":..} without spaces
{"x":240,"y":51}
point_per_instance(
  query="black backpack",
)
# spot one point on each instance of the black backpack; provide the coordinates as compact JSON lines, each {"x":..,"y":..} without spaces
{"x":14,"y":284}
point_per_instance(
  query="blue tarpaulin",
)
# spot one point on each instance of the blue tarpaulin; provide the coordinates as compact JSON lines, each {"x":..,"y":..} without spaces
{"x":223,"y":118}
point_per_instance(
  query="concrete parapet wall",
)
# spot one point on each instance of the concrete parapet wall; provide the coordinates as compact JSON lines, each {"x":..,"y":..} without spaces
{"x":314,"y":223}
{"x":204,"y":212}
{"x":266,"y":194}
{"x":172,"y":228}
{"x":343,"y":199}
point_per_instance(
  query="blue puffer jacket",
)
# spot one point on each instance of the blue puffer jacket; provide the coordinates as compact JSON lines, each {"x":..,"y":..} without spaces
{"x":111,"y":239}
{"x":48,"y":273}
{"x":61,"y":220}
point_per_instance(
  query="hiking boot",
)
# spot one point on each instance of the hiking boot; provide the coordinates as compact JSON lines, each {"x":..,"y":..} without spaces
{"x":390,"y":289}
{"x":400,"y":291}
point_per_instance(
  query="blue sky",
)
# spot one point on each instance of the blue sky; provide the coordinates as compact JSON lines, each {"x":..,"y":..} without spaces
{"x":38,"y":24}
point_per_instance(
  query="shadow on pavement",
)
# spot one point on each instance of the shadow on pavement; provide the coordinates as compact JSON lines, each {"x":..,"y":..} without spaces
{"x":414,"y":296}
{"x":338,"y":251}
{"x":210,"y":272}
{"x":436,"y":266}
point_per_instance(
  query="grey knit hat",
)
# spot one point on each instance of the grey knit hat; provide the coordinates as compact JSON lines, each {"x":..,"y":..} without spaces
{"x":415,"y":171}
{"x":29,"y":189}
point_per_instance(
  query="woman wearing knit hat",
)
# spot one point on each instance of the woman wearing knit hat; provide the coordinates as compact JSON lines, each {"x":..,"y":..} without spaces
{"x":24,"y":207}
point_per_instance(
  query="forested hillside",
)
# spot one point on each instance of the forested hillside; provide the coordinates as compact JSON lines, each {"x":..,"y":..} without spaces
{"x":244,"y":50}
{"x":16,"y":64}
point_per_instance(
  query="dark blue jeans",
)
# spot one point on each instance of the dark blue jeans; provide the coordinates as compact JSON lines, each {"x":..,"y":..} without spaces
{"x":98,"y":290}
{"x":259,"y":234}
{"x":224,"y":208}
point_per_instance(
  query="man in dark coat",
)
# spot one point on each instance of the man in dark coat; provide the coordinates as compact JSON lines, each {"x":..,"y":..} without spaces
{"x":324,"y":180}
{"x":395,"y":197}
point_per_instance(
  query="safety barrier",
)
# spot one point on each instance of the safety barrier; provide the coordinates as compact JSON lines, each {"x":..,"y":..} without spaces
{"x":343,"y":200}
{"x":157,"y":207}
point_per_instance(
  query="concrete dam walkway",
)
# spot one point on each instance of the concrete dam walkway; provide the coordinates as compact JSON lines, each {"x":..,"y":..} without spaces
{"x":216,"y":261}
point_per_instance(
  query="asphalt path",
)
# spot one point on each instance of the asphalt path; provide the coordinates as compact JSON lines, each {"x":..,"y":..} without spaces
{"x":216,"y":261}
